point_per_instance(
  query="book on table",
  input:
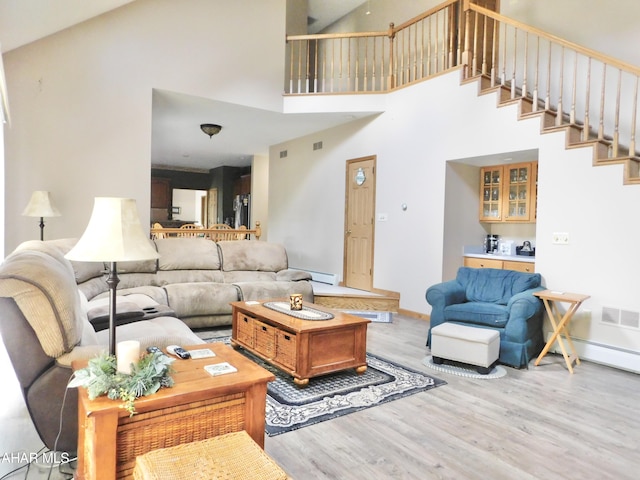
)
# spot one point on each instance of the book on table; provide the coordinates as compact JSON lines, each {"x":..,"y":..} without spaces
{"x":220,"y":368}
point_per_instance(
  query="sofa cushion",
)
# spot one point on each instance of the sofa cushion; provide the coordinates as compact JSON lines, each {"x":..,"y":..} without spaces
{"x":243,"y":276}
{"x":166,"y":277}
{"x":271,"y":290}
{"x":44,"y":287}
{"x":480,"y":313}
{"x":252,"y":255}
{"x":493,"y":285}
{"x":187,"y":254}
{"x":190,"y":299}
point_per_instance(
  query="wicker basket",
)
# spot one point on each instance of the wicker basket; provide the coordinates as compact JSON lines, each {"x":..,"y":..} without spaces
{"x":226,"y":457}
{"x":286,"y":349}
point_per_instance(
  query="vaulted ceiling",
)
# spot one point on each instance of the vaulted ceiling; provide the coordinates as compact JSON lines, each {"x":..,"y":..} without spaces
{"x":176,"y":139}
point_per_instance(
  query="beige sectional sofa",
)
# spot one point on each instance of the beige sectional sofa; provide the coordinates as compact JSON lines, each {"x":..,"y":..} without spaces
{"x":198,"y":278}
{"x":47,"y":304}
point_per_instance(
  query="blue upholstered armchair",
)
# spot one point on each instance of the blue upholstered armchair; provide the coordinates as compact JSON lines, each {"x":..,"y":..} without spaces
{"x":499,"y":299}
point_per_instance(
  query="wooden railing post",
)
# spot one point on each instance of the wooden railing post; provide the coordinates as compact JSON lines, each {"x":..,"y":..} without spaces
{"x":392,"y":70}
{"x":466,"y":53}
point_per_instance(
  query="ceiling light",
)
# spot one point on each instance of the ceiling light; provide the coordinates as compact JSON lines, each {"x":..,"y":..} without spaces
{"x":210,"y":129}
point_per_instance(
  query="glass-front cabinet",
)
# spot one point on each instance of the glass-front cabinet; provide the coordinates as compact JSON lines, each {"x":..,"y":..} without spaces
{"x":508,"y":193}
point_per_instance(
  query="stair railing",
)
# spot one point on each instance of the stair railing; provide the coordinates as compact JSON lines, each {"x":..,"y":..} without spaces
{"x":590,"y":92}
{"x":370,"y":62}
{"x":592,"y":95}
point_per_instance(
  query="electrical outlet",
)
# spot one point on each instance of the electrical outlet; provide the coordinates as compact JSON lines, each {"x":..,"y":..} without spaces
{"x":383,"y":217}
{"x":560,"y":238}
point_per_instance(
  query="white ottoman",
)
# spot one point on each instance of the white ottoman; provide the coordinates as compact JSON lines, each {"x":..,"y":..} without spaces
{"x":460,"y":343}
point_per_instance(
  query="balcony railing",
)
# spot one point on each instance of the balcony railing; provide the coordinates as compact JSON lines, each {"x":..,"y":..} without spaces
{"x":370,"y":62}
{"x":594,"y":94}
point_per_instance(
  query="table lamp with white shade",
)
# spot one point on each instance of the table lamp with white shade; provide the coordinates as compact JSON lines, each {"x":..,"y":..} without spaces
{"x":40,"y":205}
{"x":114,"y":234}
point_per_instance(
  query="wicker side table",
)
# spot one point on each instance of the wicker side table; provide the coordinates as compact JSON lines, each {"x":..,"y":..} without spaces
{"x":231,"y":456}
{"x":197,"y":407}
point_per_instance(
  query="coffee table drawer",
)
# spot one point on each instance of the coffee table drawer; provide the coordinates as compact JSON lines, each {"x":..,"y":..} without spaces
{"x":246,"y":329}
{"x":264,"y":336}
{"x":286,"y":344}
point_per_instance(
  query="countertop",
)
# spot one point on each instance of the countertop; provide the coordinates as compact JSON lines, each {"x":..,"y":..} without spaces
{"x":509,"y":258}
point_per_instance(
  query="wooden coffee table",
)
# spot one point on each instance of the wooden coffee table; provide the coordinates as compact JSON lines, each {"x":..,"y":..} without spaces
{"x":302,"y":348}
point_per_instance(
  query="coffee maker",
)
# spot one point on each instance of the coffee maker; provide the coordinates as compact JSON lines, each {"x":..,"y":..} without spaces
{"x":491,"y":243}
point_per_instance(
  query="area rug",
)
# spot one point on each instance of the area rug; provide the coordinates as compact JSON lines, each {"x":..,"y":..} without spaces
{"x":373,"y":315}
{"x":290,"y":407}
{"x":463,"y":370}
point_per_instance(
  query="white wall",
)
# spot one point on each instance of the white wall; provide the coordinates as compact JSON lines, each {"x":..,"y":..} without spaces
{"x":423,"y":127}
{"x":81,"y":98}
{"x":260,"y":193}
{"x":607,"y":27}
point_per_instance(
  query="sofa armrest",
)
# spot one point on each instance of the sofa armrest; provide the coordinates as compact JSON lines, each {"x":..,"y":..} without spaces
{"x":525,"y":304}
{"x":81,"y":353}
{"x":522,"y":308}
{"x":445,"y":293}
{"x":290,"y":275}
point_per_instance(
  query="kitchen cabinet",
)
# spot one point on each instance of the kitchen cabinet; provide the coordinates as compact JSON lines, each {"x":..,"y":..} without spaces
{"x":508,"y":193}
{"x":520,"y":266}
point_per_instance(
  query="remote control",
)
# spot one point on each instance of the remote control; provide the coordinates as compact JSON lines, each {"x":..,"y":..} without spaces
{"x":178,"y":351}
{"x":153,"y":350}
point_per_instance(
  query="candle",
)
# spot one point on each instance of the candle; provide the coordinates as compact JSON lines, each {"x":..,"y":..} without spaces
{"x":295,"y":301}
{"x":127,"y":352}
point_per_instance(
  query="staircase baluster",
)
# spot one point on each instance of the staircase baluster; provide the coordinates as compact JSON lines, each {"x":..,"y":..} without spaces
{"x":513,"y":70}
{"x":525,"y":65}
{"x":429,"y":47}
{"x":585,"y":132}
{"x":422,"y":57}
{"x":474,"y":61}
{"x":504,"y":58}
{"x":291,"y":43}
{"x":547,"y":99}
{"x":572,"y":113}
{"x":484,"y":46}
{"x":561,"y":88}
{"x":634,"y":116}
{"x":494,"y":53}
{"x":308,"y":67}
{"x":451,"y":35}
{"x":536,"y":71}
{"x":616,"y":128}
{"x":602,"y":95}
{"x":315,"y":69}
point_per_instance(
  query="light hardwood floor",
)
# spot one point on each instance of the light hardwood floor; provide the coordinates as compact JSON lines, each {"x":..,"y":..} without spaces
{"x":536,"y":423}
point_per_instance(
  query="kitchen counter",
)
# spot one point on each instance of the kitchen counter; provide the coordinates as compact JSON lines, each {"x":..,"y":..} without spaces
{"x":508,"y":258}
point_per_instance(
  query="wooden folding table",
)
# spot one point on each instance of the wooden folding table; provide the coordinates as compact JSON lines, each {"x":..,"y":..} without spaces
{"x":560,"y":322}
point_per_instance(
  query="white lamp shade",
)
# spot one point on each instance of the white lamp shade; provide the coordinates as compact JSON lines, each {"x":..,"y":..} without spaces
{"x":40,"y":205}
{"x":114,"y":234}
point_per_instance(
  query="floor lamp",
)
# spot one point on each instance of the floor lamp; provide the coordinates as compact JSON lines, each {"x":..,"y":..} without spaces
{"x":114,"y":234}
{"x":41,"y":206}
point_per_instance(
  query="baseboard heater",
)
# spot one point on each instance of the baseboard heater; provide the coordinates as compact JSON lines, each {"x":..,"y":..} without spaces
{"x":328,"y":278}
{"x":609,"y":355}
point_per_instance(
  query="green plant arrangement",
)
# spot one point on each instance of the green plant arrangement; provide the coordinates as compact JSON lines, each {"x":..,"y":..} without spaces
{"x":100,"y":377}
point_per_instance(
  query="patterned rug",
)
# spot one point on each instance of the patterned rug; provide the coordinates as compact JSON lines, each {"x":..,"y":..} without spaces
{"x":462,"y":370}
{"x":290,"y":407}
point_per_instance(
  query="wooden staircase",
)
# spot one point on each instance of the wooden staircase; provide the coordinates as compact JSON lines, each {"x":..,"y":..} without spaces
{"x":593,"y":98}
{"x":604,"y":150}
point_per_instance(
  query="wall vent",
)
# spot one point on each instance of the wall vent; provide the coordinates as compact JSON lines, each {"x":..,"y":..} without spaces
{"x":317,"y":146}
{"x":610,"y":315}
{"x":629,"y":319}
{"x":283,"y":153}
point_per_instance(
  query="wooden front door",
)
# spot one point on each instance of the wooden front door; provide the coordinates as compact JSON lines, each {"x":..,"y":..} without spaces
{"x":359,"y":223}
